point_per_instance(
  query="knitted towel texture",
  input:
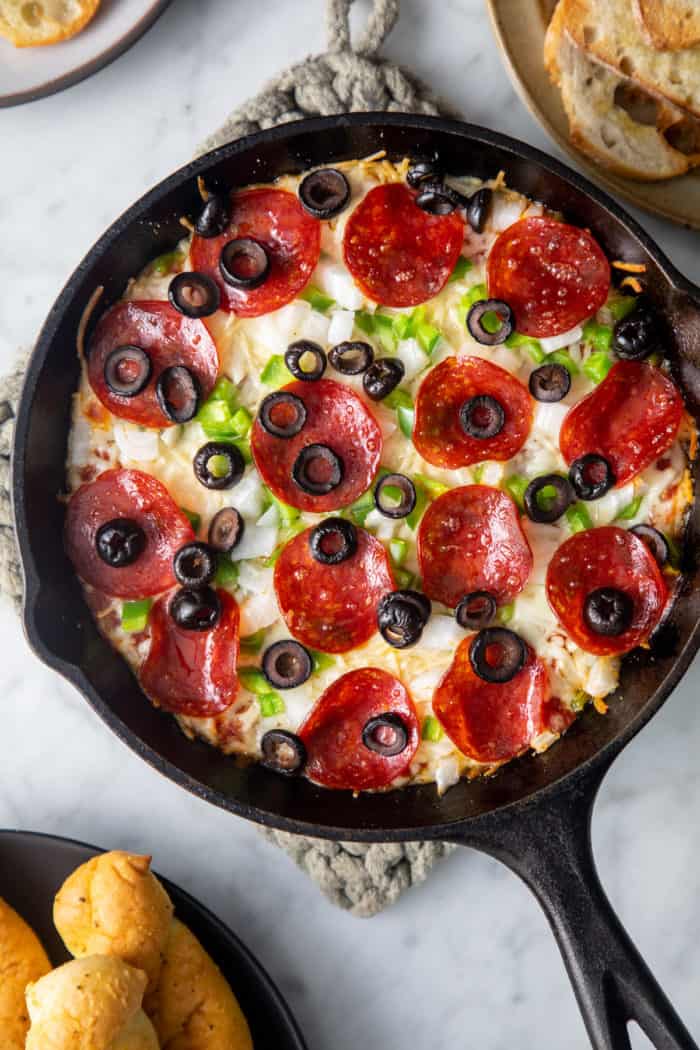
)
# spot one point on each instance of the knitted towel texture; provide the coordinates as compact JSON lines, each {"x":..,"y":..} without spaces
{"x":349,"y":77}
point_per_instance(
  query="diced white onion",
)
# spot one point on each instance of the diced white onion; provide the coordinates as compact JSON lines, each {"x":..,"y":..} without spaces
{"x":381,"y":525}
{"x":254,"y":578}
{"x":606,"y":509}
{"x":270,"y":519}
{"x":316,"y":328}
{"x":333,"y":279}
{"x":170,"y":436}
{"x":413,"y":359}
{"x":558,"y":342}
{"x":602,"y":677}
{"x":80,"y":441}
{"x":248,"y":496}
{"x":257,"y":612}
{"x":492,"y":473}
{"x":341,"y":326}
{"x":549,"y":416}
{"x":386,"y":419}
{"x":505,"y":210}
{"x":136,"y":444}
{"x":256,"y":543}
{"x":423,"y":685}
{"x":441,"y":632}
{"x":446,"y":774}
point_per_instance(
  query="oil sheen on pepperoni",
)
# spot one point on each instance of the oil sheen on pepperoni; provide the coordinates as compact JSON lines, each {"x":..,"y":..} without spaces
{"x":332,"y":607}
{"x":168,"y":337}
{"x":438,"y":434}
{"x":605,"y":557}
{"x":290,"y":236}
{"x":552,"y":275}
{"x":470,"y":539}
{"x":192,"y":672}
{"x":490,"y":721}
{"x":631,"y":418}
{"x":335,"y":416}
{"x":126,"y":494}
{"x":332,"y":733}
{"x":398,"y":254}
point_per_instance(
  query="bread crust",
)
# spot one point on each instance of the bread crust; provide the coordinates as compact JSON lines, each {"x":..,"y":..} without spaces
{"x":669,"y":25}
{"x":22,"y":960}
{"x":48,"y":29}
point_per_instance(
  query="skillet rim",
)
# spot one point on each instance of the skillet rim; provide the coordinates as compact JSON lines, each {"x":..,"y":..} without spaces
{"x":595,"y":765}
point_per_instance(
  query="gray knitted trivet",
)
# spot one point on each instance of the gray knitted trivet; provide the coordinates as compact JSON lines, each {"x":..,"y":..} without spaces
{"x":348,"y":78}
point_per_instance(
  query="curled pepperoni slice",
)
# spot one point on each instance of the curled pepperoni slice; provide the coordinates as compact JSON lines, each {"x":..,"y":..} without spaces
{"x":332,"y":607}
{"x":552,"y":275}
{"x":488,"y":721}
{"x":337,"y":756}
{"x":335,"y":417}
{"x":438,"y":433}
{"x":289,"y":235}
{"x":398,"y":254}
{"x":168,"y":337}
{"x":470,"y":539}
{"x":605,"y":557}
{"x":192,"y":672}
{"x":631,"y":418}
{"x":141,"y":498}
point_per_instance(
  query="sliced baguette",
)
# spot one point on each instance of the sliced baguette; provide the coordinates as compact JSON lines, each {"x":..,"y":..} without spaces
{"x":670,"y":25}
{"x":598,"y":126}
{"x":609,"y":31}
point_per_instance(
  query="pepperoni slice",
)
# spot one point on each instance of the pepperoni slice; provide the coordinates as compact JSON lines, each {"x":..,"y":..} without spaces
{"x":290,"y":236}
{"x":336,"y":417}
{"x":631,"y":418}
{"x":490,"y":721}
{"x":337,"y":757}
{"x":552,"y":275}
{"x":438,"y":434}
{"x":605,"y":557}
{"x":470,"y":539}
{"x":397,"y":253}
{"x":168,"y":337}
{"x":192,"y":672}
{"x":332,"y":607}
{"x":140,"y":497}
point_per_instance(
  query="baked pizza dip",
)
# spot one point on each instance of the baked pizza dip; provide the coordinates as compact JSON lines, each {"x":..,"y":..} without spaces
{"x":378,"y":474}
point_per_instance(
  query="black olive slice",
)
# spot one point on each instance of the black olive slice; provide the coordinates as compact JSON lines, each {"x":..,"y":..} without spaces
{"x":497,"y":308}
{"x":476,"y":610}
{"x":497,"y":654}
{"x":420,"y":170}
{"x":282,"y":414}
{"x":286,"y":664}
{"x":214,"y":216}
{"x":318,"y":470}
{"x":303,"y":349}
{"x":178,"y":393}
{"x":244,"y":263}
{"x":482,"y":417}
{"x":194,"y":564}
{"x":195,"y":608}
{"x":387,"y":502}
{"x":437,"y":199}
{"x":127,"y":370}
{"x":218,"y":465}
{"x":401,"y":617}
{"x":324,"y":193}
{"x":608,"y":611}
{"x":120,"y":542}
{"x":350,"y":359}
{"x":478,"y":208}
{"x":386,"y":735}
{"x":333,"y":540}
{"x":550,"y":382}
{"x":283,"y":752}
{"x":543,"y":506}
{"x":655,"y":541}
{"x":591,"y":476}
{"x":194,"y":294}
{"x":639,"y":334}
{"x":382,"y":377}
{"x":226,"y":530}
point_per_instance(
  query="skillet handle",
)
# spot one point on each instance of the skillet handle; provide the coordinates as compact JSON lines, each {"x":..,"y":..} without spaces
{"x":548,"y":844}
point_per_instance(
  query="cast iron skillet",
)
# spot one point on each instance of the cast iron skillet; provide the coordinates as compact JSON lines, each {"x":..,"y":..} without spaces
{"x":34,"y":866}
{"x":535,"y":815}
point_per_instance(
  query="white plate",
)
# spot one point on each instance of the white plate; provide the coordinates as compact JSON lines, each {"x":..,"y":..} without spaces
{"x":27,"y":73}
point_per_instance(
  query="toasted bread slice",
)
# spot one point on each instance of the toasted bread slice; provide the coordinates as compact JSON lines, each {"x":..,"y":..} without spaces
{"x":29,"y":23}
{"x":670,"y":25}
{"x":602,"y":107}
{"x":609,"y":31}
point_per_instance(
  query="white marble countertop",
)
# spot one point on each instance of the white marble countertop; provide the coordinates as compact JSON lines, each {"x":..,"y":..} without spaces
{"x":466,"y":959}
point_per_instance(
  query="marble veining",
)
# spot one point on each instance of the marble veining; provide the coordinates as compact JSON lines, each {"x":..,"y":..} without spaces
{"x":466,"y":959}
